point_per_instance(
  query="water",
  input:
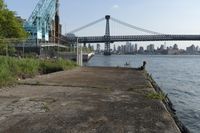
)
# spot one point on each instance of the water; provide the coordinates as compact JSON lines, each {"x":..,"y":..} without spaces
{"x":178,"y":76}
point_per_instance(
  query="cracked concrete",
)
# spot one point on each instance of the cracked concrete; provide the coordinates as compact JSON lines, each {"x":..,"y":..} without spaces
{"x":85,"y":100}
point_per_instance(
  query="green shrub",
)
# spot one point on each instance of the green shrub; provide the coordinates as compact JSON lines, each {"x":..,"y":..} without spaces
{"x":27,"y":67}
{"x":6,"y":76}
{"x":48,"y":66}
{"x":66,"y":64}
{"x":13,"y":68}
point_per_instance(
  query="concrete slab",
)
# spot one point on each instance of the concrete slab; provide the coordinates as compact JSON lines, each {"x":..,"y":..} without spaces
{"x":85,"y":100}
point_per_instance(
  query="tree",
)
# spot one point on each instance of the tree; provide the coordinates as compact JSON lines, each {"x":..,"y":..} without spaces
{"x":2,"y":5}
{"x":10,"y":27}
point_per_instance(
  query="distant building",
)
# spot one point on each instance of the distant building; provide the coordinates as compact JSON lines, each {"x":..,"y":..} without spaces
{"x":114,"y":49}
{"x":119,"y":49}
{"x":162,"y":47}
{"x":197,"y":48}
{"x":150,"y":48}
{"x":191,"y":49}
{"x":98,"y":48}
{"x":141,"y":50}
{"x":136,"y":48}
{"x":173,"y":50}
{"x":175,"y":47}
{"x":128,"y":48}
{"x":170,"y":50}
{"x":161,"y":50}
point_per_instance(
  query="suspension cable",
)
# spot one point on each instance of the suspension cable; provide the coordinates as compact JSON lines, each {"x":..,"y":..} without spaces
{"x":86,"y":26}
{"x":135,"y":27}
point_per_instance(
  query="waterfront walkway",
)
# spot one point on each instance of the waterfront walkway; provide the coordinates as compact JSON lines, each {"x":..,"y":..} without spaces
{"x":84,"y":100}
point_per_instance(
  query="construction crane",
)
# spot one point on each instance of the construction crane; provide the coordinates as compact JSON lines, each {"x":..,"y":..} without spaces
{"x":43,"y":24}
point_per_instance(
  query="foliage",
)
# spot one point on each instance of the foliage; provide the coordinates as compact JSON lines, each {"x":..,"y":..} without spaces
{"x":6,"y":49}
{"x":26,"y":67}
{"x":159,"y":96}
{"x":2,"y":5}
{"x":10,"y":26}
{"x":6,"y":76}
{"x":49,"y":66}
{"x":13,"y":68}
{"x":65,"y":64}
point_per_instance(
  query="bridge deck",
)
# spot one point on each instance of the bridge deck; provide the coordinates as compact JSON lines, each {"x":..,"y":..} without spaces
{"x":86,"y":100}
{"x":102,"y":39}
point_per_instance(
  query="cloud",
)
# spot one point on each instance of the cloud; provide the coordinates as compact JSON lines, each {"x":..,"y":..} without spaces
{"x":115,"y":6}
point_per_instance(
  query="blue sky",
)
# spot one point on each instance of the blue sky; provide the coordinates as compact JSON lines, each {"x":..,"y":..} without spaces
{"x":165,"y":16}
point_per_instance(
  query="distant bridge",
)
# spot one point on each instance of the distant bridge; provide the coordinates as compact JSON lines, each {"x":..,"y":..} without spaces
{"x":107,"y":38}
{"x":44,"y":27}
{"x":111,"y":39}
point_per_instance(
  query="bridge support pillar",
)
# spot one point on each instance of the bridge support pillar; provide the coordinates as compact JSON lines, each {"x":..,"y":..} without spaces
{"x":79,"y":58}
{"x":107,"y":50}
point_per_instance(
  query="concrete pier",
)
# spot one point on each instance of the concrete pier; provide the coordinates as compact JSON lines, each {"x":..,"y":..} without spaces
{"x":85,"y":100}
{"x":72,"y":56}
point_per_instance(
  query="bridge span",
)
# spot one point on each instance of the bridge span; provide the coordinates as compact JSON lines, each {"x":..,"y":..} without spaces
{"x":111,"y":39}
{"x":107,"y":38}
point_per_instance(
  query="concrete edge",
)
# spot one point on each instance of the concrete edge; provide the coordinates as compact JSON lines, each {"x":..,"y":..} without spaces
{"x":117,"y":67}
{"x":168,"y":105}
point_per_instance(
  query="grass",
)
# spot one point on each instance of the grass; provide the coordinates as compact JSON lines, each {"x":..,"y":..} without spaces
{"x":139,"y":87}
{"x":13,"y":68}
{"x":45,"y":107}
{"x":154,"y":95}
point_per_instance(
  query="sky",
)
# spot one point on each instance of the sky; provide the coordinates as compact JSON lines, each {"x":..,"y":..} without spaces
{"x":163,"y":16}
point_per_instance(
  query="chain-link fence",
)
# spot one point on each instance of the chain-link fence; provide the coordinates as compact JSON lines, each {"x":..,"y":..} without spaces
{"x":30,"y":48}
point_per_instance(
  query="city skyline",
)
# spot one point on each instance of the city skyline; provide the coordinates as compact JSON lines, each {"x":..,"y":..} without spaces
{"x":133,"y":48}
{"x":157,"y":46}
{"x":168,"y":16}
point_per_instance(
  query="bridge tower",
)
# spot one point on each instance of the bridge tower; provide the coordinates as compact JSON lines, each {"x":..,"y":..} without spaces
{"x":107,"y":50}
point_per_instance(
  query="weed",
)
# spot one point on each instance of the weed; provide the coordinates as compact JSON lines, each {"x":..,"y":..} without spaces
{"x":154,"y":95}
{"x":45,"y":107}
{"x":13,"y":68}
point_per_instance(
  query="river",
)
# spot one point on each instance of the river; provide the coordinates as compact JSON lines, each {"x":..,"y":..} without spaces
{"x":177,"y":75}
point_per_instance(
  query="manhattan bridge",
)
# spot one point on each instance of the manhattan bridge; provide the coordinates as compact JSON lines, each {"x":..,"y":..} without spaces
{"x":45,"y":30}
